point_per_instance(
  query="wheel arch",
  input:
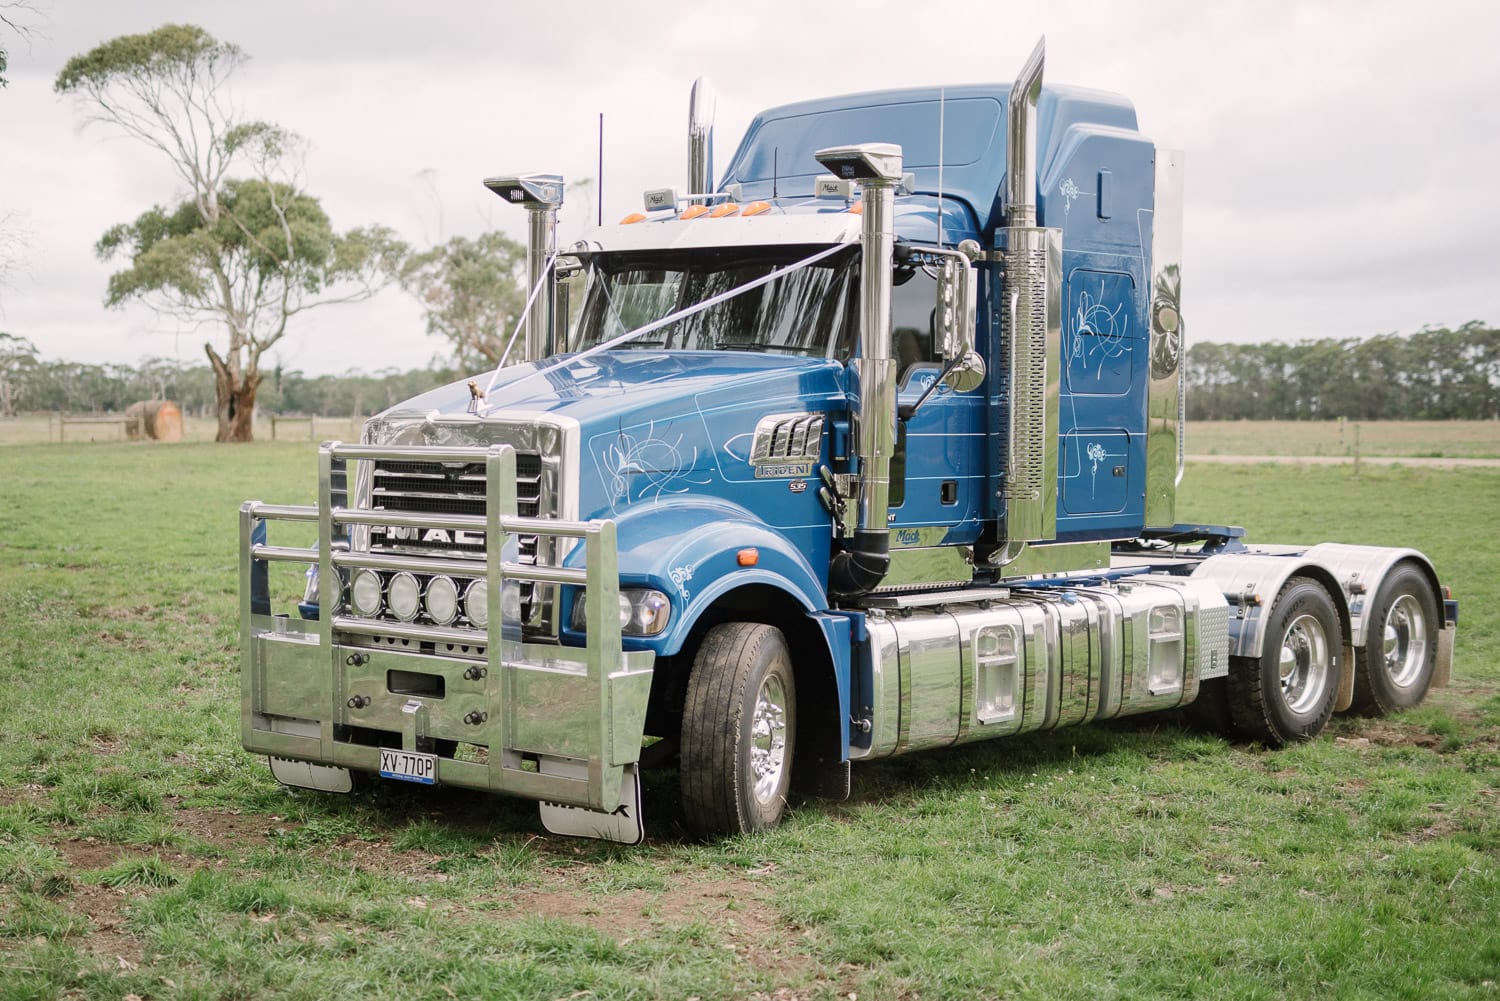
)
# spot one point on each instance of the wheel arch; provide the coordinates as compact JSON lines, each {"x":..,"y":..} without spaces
{"x":1251,"y":581}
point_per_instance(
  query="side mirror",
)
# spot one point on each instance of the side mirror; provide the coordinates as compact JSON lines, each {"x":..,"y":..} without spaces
{"x":957,"y":294}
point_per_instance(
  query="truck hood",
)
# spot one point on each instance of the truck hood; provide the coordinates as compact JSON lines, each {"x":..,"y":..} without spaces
{"x":614,"y":385}
{"x":651,"y":427}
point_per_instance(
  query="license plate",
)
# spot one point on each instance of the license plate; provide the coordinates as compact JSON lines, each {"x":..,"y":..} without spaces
{"x":408,"y":766}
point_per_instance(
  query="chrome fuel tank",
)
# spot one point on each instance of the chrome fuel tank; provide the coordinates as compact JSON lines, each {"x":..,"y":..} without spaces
{"x":970,"y":665}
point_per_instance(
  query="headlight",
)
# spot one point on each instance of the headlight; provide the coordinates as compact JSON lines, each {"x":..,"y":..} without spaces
{"x":643,"y":612}
{"x":364,"y":593}
{"x":477,"y":604}
{"x":442,"y":600}
{"x":404,"y":596}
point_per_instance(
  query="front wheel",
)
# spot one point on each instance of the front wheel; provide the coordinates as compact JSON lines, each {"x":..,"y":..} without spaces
{"x":1287,"y":693}
{"x":1395,"y":666}
{"x":739,"y":727}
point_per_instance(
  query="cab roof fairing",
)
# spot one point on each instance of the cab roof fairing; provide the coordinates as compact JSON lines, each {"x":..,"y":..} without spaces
{"x":782,"y":140}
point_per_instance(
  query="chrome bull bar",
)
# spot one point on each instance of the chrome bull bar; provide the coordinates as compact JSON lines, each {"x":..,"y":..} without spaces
{"x":557,"y":724}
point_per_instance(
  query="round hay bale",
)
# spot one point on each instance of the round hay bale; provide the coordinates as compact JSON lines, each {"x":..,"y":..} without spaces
{"x":157,"y":420}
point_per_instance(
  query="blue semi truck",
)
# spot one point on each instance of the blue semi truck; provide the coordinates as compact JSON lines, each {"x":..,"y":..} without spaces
{"x":869,"y":446}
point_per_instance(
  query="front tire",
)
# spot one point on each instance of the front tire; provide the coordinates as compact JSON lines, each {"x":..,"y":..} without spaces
{"x":1396,"y":664}
{"x":739,"y":727}
{"x":1287,"y":693}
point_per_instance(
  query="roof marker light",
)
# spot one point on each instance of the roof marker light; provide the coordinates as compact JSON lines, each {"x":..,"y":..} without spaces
{"x":755,"y":208}
{"x":633,"y":217}
{"x":721,"y":211}
{"x":694,"y":212}
{"x":858,"y":208}
{"x":747,"y":557}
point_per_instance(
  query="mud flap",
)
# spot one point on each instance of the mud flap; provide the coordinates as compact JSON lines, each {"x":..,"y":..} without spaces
{"x":306,"y":775}
{"x":623,"y":824}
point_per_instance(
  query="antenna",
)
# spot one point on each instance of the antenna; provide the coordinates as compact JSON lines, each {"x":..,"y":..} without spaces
{"x":942,"y":107}
{"x":599,"y":187}
{"x":775,"y":156}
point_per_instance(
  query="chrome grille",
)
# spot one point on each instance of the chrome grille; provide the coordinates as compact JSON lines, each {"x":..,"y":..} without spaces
{"x":453,"y":488}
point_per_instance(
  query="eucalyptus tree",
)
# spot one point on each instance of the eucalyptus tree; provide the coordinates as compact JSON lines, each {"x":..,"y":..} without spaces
{"x":245,"y":254}
{"x":472,"y":292}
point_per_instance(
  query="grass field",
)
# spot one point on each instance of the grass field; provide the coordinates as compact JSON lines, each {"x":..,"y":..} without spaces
{"x":1419,"y":439}
{"x":142,"y":853}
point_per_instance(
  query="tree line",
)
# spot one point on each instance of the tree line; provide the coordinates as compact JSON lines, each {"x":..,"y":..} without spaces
{"x":29,"y":384}
{"x":1433,"y":374}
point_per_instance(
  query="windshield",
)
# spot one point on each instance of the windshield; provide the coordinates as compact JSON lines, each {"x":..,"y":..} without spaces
{"x":807,"y":311}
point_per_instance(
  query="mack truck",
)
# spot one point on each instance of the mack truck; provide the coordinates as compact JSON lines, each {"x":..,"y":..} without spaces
{"x":870,"y":445}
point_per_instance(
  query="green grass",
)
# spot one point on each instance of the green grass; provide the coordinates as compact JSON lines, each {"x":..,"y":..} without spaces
{"x":142,"y":853}
{"x":1412,"y":439}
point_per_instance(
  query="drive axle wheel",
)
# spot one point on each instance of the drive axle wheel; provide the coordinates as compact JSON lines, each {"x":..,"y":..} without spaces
{"x":1287,"y":693}
{"x":1400,"y":651}
{"x":739,"y":727}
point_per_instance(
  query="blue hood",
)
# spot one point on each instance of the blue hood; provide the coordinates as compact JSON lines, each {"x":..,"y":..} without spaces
{"x":658,"y":426}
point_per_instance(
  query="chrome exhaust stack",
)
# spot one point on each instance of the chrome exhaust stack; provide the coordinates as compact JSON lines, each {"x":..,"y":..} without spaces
{"x":701,"y":107}
{"x":1031,"y":328}
{"x":541,"y":195}
{"x":1020,"y":148}
{"x":877,"y":167}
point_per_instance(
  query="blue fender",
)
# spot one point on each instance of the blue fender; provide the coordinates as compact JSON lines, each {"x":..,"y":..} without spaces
{"x":688,"y":549}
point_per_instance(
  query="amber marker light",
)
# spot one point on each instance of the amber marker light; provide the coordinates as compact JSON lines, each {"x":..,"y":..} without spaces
{"x":747,"y":557}
{"x":632,"y":218}
{"x":694,"y":212}
{"x":858,"y":208}
{"x":723,"y":210}
{"x":755,"y":208}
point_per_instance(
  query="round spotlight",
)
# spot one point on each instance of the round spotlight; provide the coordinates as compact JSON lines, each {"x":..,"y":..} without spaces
{"x":477,"y":604}
{"x":364,"y":593}
{"x":442,"y":600}
{"x":403,"y":595}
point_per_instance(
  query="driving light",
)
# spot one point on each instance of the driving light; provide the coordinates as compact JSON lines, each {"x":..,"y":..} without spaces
{"x":364,"y":593}
{"x":403,"y":596}
{"x":442,"y":600}
{"x":477,"y":604}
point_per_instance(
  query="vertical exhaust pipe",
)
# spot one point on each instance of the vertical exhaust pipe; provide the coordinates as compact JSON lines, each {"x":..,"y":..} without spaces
{"x":540,"y":195}
{"x":1030,"y":328}
{"x":862,"y":565}
{"x":702,"y":105}
{"x":1020,"y":149}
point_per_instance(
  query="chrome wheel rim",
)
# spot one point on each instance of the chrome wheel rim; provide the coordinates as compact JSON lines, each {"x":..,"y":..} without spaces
{"x":1304,"y":664}
{"x":1404,"y":639}
{"x":768,"y":734}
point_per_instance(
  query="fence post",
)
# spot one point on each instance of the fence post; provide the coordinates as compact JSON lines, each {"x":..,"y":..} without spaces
{"x":1356,"y":450}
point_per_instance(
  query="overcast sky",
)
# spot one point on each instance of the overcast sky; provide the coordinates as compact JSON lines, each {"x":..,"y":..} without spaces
{"x":1340,"y":156}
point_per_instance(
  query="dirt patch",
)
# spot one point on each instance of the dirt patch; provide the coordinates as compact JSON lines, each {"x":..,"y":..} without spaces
{"x":736,"y":908}
{"x":89,"y":854}
{"x":1385,"y":733}
{"x":107,"y":938}
{"x":223,"y":827}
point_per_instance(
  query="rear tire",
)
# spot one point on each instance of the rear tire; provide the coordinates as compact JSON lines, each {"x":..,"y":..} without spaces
{"x":1287,"y":693}
{"x":739,"y":726}
{"x":1400,"y":651}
